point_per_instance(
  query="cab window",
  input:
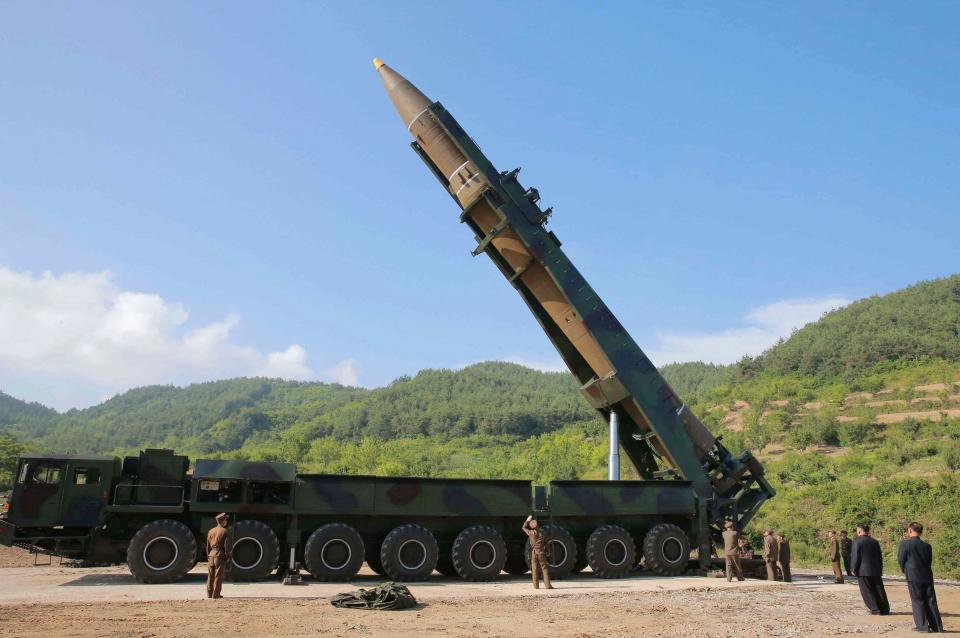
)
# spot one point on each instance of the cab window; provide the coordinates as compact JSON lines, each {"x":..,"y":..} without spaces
{"x":24,"y":472}
{"x":47,"y":475}
{"x":264,"y":493}
{"x":86,"y":476}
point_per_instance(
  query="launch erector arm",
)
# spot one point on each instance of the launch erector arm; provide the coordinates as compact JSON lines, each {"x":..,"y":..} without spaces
{"x":658,"y":432}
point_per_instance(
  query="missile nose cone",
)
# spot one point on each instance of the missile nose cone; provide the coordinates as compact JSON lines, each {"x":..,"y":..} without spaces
{"x":406,"y":98}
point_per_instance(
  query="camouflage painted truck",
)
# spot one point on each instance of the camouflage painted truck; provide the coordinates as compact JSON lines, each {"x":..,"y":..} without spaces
{"x":151,"y":512}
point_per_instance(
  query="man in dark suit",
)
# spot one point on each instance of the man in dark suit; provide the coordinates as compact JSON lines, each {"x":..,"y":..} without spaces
{"x":867,"y":564}
{"x":915,"y":558}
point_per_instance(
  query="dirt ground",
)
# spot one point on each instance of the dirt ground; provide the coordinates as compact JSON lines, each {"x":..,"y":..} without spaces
{"x":11,"y":557}
{"x":57,"y":601}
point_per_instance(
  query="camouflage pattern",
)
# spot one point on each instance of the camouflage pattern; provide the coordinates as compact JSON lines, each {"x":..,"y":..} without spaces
{"x":658,"y":433}
{"x":244,"y":470}
{"x":621,"y":498}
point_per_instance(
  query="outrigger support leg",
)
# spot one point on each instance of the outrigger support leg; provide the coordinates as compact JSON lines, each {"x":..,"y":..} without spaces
{"x":293,"y":576}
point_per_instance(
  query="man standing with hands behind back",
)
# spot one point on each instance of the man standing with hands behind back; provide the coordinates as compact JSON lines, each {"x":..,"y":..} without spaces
{"x":731,"y":553}
{"x":783,"y":558}
{"x":867,"y":564}
{"x":218,"y":553}
{"x":916,"y":558}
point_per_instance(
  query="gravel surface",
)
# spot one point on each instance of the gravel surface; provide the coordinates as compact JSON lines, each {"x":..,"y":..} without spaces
{"x":104,"y":602}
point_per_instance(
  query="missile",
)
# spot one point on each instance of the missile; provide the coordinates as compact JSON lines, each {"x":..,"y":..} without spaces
{"x":461,"y":175}
{"x":615,"y":374}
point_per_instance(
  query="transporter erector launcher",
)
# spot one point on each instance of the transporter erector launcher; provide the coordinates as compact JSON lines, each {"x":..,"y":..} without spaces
{"x":659,"y":434}
{"x":153,"y":511}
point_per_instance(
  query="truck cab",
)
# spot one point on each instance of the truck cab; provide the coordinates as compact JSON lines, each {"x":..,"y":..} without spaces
{"x":62,"y":495}
{"x":61,"y":491}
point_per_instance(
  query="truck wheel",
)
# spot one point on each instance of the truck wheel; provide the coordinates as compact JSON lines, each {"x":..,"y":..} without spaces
{"x":516,"y":563}
{"x":666,"y":550}
{"x":561,"y":551}
{"x":334,"y":552}
{"x":373,"y":558}
{"x":479,"y":553}
{"x":162,"y":552}
{"x":611,"y":551}
{"x":255,"y":552}
{"x":409,"y":553}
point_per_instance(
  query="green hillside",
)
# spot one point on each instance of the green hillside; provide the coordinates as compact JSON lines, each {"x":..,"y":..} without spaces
{"x":491,"y":398}
{"x":856,"y":417}
{"x":914,"y":324}
{"x":30,"y":417}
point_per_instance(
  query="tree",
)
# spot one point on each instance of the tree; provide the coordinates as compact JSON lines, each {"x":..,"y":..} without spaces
{"x":10,"y":451}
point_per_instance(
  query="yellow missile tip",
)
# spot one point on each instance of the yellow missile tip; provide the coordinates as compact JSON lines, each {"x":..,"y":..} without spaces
{"x":377,"y":63}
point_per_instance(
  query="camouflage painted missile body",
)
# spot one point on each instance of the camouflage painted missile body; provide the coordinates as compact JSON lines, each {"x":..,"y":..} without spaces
{"x":660,"y":435}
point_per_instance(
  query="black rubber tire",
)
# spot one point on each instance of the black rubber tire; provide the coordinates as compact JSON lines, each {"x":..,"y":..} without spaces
{"x":666,"y":550}
{"x":516,"y":562}
{"x":373,"y":558}
{"x":422,"y":559}
{"x":445,"y":563}
{"x":561,"y":551}
{"x":479,"y":553}
{"x":340,"y":567}
{"x":170,"y":543}
{"x":254,"y":544}
{"x":611,"y":552}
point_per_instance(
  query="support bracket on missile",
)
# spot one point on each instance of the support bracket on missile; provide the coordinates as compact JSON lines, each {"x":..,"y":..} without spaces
{"x":496,"y":230}
{"x":644,"y":436}
{"x":605,"y":391}
{"x":519,"y":271}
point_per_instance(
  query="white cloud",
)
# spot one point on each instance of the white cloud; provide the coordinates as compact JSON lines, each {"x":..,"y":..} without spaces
{"x":763,"y":327}
{"x":69,"y":340}
{"x":345,"y":373}
{"x":289,"y":364}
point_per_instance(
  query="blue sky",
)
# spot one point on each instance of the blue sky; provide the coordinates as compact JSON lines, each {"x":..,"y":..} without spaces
{"x":197,"y":190}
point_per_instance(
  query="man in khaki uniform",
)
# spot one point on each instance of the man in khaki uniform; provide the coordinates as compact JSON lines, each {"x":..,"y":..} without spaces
{"x":783,"y":558}
{"x":218,"y":553}
{"x":731,"y":551}
{"x":835,"y":557}
{"x":538,"y":552}
{"x":770,"y":554}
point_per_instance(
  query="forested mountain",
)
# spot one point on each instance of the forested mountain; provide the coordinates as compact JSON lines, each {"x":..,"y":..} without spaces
{"x":916,"y":323}
{"x":693,"y":379}
{"x":32,"y":416}
{"x":487,"y":398}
